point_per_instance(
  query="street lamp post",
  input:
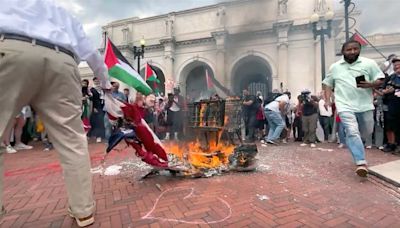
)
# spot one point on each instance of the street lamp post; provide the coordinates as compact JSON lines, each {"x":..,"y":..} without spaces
{"x":322,"y":31}
{"x":346,"y":18}
{"x":138,"y":52}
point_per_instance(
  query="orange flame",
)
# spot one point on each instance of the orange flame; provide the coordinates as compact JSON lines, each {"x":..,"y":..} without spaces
{"x":202,"y":156}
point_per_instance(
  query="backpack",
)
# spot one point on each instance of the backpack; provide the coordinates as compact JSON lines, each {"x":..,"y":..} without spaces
{"x":271,"y":97}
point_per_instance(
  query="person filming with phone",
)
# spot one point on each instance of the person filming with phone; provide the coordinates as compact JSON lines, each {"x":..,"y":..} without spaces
{"x":353,"y":79}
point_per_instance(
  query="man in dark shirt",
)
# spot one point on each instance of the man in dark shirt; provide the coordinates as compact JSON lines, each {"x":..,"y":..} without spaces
{"x":309,"y":109}
{"x":250,"y":107}
{"x":391,"y":89}
{"x":97,"y":113}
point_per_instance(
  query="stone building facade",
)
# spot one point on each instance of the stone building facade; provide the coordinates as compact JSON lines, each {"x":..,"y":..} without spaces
{"x":257,"y":44}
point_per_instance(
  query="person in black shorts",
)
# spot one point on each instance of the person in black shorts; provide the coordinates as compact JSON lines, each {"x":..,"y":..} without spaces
{"x":391,"y":89}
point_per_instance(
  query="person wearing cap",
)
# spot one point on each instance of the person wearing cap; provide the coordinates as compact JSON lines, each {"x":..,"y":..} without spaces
{"x":40,"y":47}
{"x":391,"y":89}
{"x":309,"y":118}
{"x":353,"y":78}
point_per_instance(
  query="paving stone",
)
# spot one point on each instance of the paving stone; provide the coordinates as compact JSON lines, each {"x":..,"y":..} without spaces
{"x":389,"y":171}
{"x":300,"y":187}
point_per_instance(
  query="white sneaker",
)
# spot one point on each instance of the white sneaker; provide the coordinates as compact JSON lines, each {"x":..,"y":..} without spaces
{"x":98,"y":140}
{"x":368,"y":147}
{"x":10,"y":149}
{"x":341,"y":145}
{"x":313,"y":145}
{"x":21,"y":146}
{"x":381,"y":148}
{"x":303,"y":144}
{"x":284,"y":141}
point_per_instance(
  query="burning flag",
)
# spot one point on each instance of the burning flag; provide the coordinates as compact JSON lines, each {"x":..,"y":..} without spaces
{"x":113,"y":107}
{"x":140,"y":136}
{"x":120,"y":68}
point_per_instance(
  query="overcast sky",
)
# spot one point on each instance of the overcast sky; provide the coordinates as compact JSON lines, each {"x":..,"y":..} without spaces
{"x":378,"y":16}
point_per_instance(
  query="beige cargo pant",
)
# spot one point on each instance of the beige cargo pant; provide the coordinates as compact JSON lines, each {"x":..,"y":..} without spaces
{"x":49,"y":81}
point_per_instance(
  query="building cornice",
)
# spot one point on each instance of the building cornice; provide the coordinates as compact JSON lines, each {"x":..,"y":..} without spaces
{"x":182,"y":12}
{"x":219,"y":34}
{"x":193,"y":42}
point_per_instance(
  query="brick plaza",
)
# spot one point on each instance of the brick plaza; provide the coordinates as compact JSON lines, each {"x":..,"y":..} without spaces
{"x":293,"y":187}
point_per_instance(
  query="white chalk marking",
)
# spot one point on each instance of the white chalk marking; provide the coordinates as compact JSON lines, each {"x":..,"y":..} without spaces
{"x":148,"y":215}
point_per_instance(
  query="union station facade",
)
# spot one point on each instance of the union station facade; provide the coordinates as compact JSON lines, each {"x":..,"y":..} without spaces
{"x":262,"y":45}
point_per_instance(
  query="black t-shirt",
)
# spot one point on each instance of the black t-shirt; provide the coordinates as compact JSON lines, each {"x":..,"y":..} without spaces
{"x":253,"y":107}
{"x":393,"y":99}
{"x":309,"y":108}
{"x":98,"y":103}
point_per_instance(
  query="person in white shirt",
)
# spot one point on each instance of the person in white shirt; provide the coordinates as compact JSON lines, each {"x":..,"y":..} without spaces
{"x":275,"y":111}
{"x":40,"y":46}
{"x":325,"y":117}
{"x":14,"y":131}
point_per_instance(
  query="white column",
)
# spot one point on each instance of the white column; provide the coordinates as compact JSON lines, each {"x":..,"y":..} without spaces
{"x":282,"y":28}
{"x":220,"y":73}
{"x":317,"y":68}
{"x":283,"y":65}
{"x":169,"y":53}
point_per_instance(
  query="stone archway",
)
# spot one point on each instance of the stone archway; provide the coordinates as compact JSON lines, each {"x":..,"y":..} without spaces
{"x":160,"y":76}
{"x":193,"y":81}
{"x":253,"y":73}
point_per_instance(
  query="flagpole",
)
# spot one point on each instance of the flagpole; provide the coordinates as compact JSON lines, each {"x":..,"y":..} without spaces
{"x":371,"y":44}
{"x":105,"y":39}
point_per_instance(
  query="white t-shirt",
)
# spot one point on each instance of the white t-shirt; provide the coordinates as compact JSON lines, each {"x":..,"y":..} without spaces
{"x":274,"y":105}
{"x":322,"y":109}
{"x":390,"y":69}
{"x":174,"y":107}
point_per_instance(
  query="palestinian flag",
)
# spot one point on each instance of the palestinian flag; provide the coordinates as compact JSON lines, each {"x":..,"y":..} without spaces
{"x":151,"y":75}
{"x":121,"y":69}
{"x":358,"y":37}
{"x":151,"y":78}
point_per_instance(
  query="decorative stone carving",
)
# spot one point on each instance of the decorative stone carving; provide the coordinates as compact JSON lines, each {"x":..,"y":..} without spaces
{"x":320,"y":6}
{"x":282,"y":29}
{"x":221,"y":16}
{"x":195,"y":42}
{"x":282,"y":7}
{"x":169,"y":25}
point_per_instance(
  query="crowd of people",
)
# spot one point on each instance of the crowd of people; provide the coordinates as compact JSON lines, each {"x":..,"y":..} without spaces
{"x":42,"y":45}
{"x":273,"y":120}
{"x":359,"y":108}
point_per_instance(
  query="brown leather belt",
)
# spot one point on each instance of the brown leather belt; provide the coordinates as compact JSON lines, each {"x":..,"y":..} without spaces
{"x":38,"y":42}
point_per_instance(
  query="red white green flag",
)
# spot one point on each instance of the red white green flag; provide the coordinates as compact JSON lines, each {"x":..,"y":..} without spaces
{"x":151,"y":78}
{"x":121,"y":69}
{"x":358,"y":37}
{"x":151,"y":75}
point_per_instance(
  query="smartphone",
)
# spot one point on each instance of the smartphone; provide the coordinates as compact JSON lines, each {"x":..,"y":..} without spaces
{"x":359,"y":79}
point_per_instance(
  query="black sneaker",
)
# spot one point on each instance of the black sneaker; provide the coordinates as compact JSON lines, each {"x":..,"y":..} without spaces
{"x":273,"y":142}
{"x":389,"y":148}
{"x":396,"y":150}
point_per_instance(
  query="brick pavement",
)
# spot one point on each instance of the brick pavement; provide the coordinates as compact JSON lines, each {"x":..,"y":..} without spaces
{"x":293,"y":187}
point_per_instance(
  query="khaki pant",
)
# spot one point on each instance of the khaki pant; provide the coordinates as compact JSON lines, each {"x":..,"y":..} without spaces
{"x":49,"y":81}
{"x":310,"y":128}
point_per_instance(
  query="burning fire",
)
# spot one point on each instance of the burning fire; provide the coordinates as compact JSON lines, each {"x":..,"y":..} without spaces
{"x":199,"y":156}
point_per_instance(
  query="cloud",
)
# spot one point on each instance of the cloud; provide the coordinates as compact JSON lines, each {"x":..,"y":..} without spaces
{"x":377,"y":16}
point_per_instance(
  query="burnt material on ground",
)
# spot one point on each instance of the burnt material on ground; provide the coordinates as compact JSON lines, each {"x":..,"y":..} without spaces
{"x":243,"y":159}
